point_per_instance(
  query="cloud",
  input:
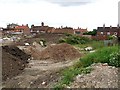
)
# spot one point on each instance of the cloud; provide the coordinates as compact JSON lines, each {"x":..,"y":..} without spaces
{"x":66,"y":3}
{"x":19,"y":1}
{"x":59,"y":2}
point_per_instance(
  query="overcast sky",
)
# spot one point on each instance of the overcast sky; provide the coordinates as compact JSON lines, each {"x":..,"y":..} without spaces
{"x":73,"y":13}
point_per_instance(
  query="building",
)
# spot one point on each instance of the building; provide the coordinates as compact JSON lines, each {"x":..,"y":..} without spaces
{"x":39,"y":29}
{"x":80,"y":31}
{"x":104,"y":32}
{"x":1,"y":31}
{"x":63,"y":30}
{"x":23,"y":29}
{"x":11,"y":26}
{"x":16,"y":29}
{"x":50,"y":30}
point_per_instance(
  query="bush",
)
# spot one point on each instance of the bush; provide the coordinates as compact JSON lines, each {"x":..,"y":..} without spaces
{"x":114,"y":59}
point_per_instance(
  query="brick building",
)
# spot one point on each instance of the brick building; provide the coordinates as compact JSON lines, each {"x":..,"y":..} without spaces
{"x":63,"y":30}
{"x":24,"y":29}
{"x":16,"y":29}
{"x":42,"y":29}
{"x":104,"y":32}
{"x":80,"y":31}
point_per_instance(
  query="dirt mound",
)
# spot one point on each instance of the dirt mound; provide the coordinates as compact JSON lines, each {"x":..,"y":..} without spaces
{"x":13,"y":61}
{"x":15,"y":51}
{"x":59,"y":52}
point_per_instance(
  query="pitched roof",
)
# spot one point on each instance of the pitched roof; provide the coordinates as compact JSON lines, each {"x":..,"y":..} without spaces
{"x":21,"y":27}
{"x":107,"y":29}
{"x":40,"y":28}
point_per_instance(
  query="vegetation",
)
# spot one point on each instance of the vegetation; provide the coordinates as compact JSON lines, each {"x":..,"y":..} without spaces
{"x":74,"y":39}
{"x":104,"y":55}
{"x":92,"y":43}
{"x":93,"y":33}
{"x":68,"y":75}
{"x":108,"y":55}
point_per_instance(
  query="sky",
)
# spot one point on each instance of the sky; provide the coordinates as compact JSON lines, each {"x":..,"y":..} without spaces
{"x":88,"y":14}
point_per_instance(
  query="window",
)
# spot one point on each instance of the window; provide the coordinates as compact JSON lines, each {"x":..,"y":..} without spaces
{"x":37,"y":30}
{"x":115,"y":33}
{"x":101,"y":33}
{"x":77,"y":32}
{"x":108,"y":33}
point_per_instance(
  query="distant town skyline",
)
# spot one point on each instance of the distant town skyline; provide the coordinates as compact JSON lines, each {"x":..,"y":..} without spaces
{"x":72,"y":13}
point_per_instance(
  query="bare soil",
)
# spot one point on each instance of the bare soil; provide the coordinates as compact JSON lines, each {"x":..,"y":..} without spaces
{"x":41,"y":71}
{"x":57,"y":53}
{"x":14,"y":61}
{"x":38,"y":72}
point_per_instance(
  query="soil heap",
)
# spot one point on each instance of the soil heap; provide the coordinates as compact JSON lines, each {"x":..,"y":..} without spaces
{"x":57,"y":53}
{"x":14,"y":61}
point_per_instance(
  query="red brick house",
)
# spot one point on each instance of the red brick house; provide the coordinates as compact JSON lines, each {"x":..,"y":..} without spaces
{"x":104,"y":32}
{"x":16,"y":29}
{"x":68,"y":30}
{"x":39,"y":29}
{"x":50,"y":30}
{"x":80,"y":31}
{"x":8,"y":31}
{"x":24,"y":29}
{"x":1,"y":31}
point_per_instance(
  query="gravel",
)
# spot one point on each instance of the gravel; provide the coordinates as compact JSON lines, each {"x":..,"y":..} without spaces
{"x":102,"y":76}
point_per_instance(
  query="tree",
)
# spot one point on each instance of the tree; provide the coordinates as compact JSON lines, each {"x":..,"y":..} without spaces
{"x":93,"y":33}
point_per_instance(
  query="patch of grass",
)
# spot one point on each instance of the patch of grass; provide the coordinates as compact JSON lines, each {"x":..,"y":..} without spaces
{"x":94,"y":44}
{"x":100,"y":56}
{"x":108,"y":55}
{"x":69,"y":74}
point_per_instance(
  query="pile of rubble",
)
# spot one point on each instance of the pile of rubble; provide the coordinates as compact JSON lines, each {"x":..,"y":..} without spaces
{"x":102,"y":76}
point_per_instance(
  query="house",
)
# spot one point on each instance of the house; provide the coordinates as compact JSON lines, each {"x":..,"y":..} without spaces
{"x":7,"y":31}
{"x":61,"y":30}
{"x":50,"y":30}
{"x":39,"y":29}
{"x":104,"y":32}
{"x":23,"y":29}
{"x":16,"y":29}
{"x":80,"y":31}
{"x":1,"y":32}
{"x":13,"y":25}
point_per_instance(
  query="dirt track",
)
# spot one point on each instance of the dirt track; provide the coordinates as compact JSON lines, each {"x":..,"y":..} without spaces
{"x":37,"y":73}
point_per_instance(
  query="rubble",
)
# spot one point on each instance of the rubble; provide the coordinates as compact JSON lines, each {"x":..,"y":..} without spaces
{"x":102,"y":76}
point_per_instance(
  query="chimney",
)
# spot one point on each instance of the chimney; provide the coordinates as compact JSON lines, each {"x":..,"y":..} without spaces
{"x":27,"y":25}
{"x":118,"y":26}
{"x":110,"y":26}
{"x":103,"y":26}
{"x":32,"y":25}
{"x":42,"y":24}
